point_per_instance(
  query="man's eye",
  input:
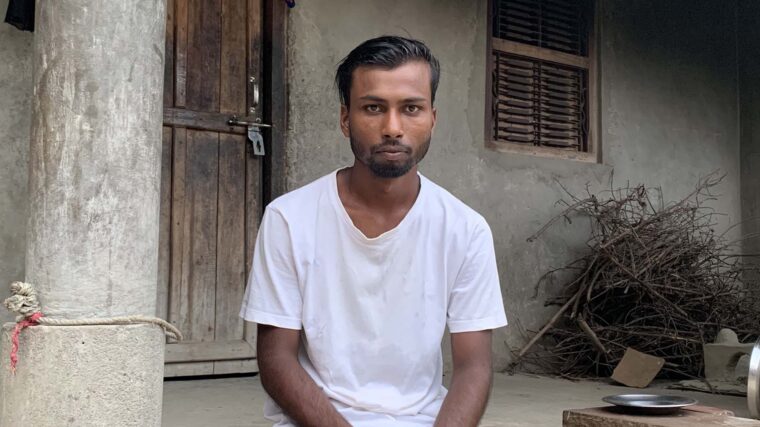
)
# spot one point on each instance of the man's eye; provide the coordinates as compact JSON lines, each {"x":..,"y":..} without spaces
{"x":372,"y":108}
{"x":412,"y":108}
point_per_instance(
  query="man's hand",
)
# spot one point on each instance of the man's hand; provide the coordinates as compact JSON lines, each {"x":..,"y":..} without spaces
{"x":470,"y":382}
{"x":287,"y":382}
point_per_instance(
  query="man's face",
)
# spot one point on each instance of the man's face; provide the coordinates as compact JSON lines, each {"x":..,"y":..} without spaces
{"x":391,"y":118}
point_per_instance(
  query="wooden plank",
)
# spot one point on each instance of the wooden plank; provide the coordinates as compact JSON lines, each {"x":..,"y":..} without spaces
{"x":505,"y":60}
{"x":198,"y":287}
{"x":203,"y":55}
{"x":201,"y":120}
{"x":269,"y":17}
{"x":516,"y":48}
{"x":534,"y":150}
{"x":247,"y":366}
{"x":178,"y":231}
{"x":231,"y":255}
{"x":275,"y":98}
{"x":489,"y":128}
{"x":254,"y":209}
{"x":180,"y":53}
{"x":604,"y":417}
{"x":164,"y":235}
{"x":169,"y":54}
{"x":594,"y":123}
{"x":192,"y":369}
{"x":233,"y":74}
{"x":208,"y":351}
{"x":254,"y":40}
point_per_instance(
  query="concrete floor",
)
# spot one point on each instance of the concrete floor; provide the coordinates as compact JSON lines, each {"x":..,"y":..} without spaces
{"x":519,"y":400}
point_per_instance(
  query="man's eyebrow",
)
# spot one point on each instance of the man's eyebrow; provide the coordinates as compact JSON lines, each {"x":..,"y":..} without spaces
{"x":405,"y":100}
{"x":372,"y":98}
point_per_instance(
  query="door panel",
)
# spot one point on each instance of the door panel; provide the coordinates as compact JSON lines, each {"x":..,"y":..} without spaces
{"x":197,"y":288}
{"x":230,"y":237}
{"x":211,"y":196}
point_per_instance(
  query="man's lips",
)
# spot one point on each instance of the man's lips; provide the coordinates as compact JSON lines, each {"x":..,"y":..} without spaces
{"x":392,"y":150}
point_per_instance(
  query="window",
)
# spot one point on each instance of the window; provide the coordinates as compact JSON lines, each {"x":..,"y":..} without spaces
{"x":542,"y":78}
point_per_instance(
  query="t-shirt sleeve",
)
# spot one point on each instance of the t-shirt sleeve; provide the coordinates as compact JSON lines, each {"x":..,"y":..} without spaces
{"x":475,"y":302}
{"x":273,"y":296}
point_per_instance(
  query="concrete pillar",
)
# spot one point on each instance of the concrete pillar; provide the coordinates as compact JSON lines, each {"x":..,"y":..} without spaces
{"x":84,"y":376}
{"x":92,"y":240}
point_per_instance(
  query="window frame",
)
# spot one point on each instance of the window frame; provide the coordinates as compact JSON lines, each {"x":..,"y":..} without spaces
{"x":590,"y":63}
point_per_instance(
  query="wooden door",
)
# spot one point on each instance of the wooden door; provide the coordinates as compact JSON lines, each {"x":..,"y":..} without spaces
{"x":211,"y":197}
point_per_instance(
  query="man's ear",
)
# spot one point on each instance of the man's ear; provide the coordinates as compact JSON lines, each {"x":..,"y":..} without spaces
{"x":344,"y":120}
{"x":435,"y":117}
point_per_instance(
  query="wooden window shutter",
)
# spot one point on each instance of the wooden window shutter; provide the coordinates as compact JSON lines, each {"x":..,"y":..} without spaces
{"x":541,"y":72}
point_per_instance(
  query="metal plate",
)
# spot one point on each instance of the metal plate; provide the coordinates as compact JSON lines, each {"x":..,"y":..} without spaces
{"x":753,"y":382}
{"x":650,"y":403}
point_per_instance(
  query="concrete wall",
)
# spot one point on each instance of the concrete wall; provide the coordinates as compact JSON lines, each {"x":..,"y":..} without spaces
{"x":15,"y":120}
{"x":668,"y":112}
{"x":749,"y":84}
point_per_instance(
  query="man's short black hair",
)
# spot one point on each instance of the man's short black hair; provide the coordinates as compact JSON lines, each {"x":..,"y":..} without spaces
{"x":387,"y":52}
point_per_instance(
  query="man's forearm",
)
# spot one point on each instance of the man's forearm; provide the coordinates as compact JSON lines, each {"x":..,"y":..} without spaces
{"x":466,"y":401}
{"x":297,"y":394}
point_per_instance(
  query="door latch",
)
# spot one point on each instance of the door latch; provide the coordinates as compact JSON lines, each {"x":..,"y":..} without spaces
{"x":257,"y":140}
{"x":235,"y":121}
{"x":253,"y":133}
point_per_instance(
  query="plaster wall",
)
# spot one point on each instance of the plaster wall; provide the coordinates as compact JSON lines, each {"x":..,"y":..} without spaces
{"x":15,"y":122}
{"x":669,"y":114}
{"x":749,"y":46}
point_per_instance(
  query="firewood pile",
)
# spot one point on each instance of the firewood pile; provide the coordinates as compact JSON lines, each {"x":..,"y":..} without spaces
{"x":656,"y":278}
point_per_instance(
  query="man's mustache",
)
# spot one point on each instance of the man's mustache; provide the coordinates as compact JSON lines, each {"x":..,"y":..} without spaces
{"x":394,"y":144}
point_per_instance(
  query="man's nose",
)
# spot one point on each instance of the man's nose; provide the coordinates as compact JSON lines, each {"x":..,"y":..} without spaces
{"x":392,"y":127}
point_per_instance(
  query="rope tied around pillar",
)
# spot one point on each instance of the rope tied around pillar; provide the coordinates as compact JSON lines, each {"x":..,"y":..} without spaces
{"x":23,"y":300}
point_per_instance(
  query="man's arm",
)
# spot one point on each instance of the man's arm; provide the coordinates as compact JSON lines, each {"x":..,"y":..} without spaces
{"x":471,"y":380}
{"x":287,"y":382}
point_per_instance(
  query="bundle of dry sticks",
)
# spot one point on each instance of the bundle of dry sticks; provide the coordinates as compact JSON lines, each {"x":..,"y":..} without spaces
{"x":657,"y":278}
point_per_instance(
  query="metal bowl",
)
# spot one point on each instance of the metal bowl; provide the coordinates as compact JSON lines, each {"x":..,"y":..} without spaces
{"x":649,"y":403}
{"x":753,"y":382}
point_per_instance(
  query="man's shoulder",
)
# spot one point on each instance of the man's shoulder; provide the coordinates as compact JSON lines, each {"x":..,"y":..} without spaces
{"x":450,"y":206}
{"x":302,"y":199}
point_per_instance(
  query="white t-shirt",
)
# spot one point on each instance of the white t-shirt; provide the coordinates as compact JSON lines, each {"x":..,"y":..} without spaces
{"x":373,"y":311}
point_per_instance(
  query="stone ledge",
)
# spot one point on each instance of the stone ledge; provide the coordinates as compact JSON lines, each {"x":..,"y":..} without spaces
{"x":609,"y":417}
{"x":83,"y":375}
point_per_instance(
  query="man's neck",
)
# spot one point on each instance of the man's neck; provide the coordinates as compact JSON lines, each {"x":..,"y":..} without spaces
{"x":382,"y":194}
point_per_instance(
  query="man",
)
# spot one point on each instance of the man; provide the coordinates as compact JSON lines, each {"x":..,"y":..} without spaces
{"x":356,"y":275}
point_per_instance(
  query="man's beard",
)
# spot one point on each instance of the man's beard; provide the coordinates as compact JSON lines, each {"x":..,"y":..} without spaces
{"x":389,"y":169}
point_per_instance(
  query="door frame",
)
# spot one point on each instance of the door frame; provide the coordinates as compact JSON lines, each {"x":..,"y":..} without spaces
{"x":274,"y":183}
{"x":275,"y":89}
